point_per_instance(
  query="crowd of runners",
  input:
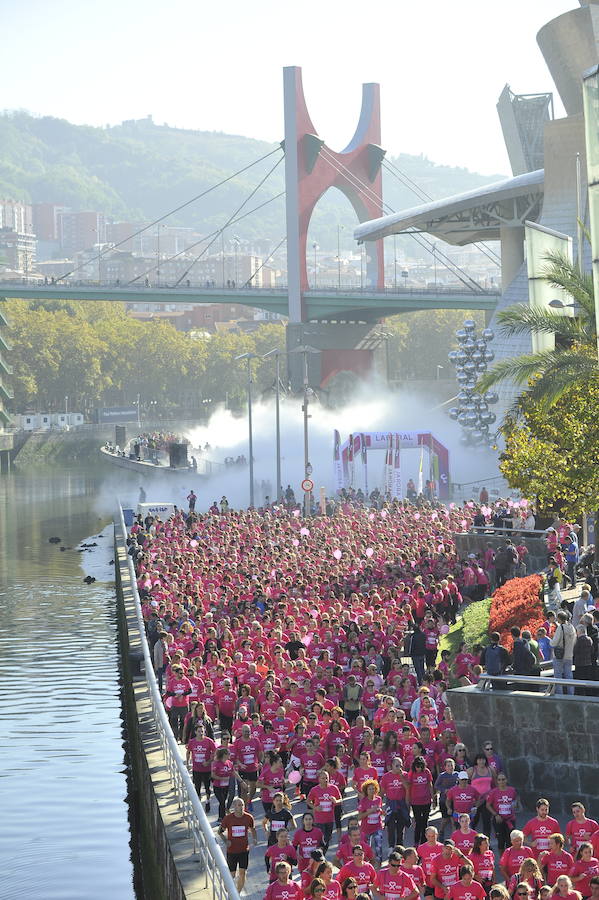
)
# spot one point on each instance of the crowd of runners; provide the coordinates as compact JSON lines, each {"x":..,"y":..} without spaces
{"x":300,"y":666}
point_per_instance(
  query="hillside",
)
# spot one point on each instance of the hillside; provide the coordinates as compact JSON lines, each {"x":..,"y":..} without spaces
{"x":138,"y":170}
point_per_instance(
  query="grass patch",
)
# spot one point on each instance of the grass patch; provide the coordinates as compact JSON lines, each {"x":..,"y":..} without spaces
{"x":473,"y":627}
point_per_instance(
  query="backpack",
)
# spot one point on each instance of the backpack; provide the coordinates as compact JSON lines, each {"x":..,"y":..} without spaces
{"x":502,"y":560}
{"x":493,"y":659}
{"x":524,"y":659}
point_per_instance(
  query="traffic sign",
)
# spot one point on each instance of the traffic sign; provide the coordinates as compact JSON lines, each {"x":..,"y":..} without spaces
{"x":307,"y":485}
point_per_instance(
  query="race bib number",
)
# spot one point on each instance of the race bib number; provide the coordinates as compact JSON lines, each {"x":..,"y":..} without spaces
{"x":238,"y":831}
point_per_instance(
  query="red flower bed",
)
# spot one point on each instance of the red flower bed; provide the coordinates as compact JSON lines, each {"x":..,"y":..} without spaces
{"x":517,"y":602}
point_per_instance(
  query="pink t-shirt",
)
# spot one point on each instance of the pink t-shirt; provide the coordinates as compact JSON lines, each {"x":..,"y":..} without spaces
{"x":392,"y":786}
{"x":306,"y":842}
{"x":539,"y":831}
{"x":394,"y":885}
{"x":201,"y":753}
{"x":420,"y":787}
{"x":472,"y":891}
{"x":373,"y":821}
{"x":429,"y":853}
{"x":323,"y":800}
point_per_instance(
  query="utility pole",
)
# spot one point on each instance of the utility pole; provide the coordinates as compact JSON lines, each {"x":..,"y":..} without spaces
{"x":249,"y":357}
{"x":277,"y":355}
{"x":305,"y":350}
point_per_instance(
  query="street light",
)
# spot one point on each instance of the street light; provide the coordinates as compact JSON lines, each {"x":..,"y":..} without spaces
{"x":66,"y":406}
{"x":559,"y":304}
{"x":249,"y":357}
{"x":277,"y":355}
{"x":395,"y":262}
{"x":339,"y":228}
{"x":315,"y":248}
{"x":305,"y":350}
{"x":439,"y":369}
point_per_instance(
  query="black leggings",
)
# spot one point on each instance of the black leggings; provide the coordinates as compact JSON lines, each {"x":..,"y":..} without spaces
{"x":221,"y":795}
{"x":202,"y":780}
{"x":483,"y":813}
{"x":421,"y":813}
{"x":395,"y":827}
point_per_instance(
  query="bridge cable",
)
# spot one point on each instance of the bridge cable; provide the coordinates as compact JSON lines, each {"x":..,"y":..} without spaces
{"x":229,"y":220}
{"x":206,"y":237}
{"x":422,"y":195}
{"x":431,"y":247}
{"x":175,"y":210}
{"x":427,"y":245}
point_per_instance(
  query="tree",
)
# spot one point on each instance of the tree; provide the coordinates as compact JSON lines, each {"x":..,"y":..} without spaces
{"x":550,"y":374}
{"x":551,"y":452}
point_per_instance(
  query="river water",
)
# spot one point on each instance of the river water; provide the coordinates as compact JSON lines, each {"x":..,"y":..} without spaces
{"x":64,"y":828}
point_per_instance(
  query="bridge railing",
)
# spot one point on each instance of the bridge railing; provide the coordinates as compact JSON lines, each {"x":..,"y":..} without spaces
{"x":534,"y":683}
{"x":211,"y":858}
{"x":194,"y":286}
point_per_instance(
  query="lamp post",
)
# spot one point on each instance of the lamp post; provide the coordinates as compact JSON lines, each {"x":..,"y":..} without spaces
{"x":435,"y":263}
{"x":590,"y":93}
{"x":559,"y":304}
{"x":277,"y":355}
{"x":249,"y":357}
{"x":138,"y":411}
{"x":438,"y":369}
{"x":339,"y":227}
{"x":305,"y":350}
{"x":395,"y":262}
{"x":66,"y":406}
{"x":315,"y":248}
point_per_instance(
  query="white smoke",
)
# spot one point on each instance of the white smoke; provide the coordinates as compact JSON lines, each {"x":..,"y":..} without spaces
{"x":374,"y":408}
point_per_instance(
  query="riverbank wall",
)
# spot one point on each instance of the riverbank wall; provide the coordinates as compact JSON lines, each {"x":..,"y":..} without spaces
{"x":550,"y":743}
{"x":171,"y":870}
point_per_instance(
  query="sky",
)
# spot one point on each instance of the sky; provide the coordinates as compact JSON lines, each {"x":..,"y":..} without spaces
{"x":217,"y":66}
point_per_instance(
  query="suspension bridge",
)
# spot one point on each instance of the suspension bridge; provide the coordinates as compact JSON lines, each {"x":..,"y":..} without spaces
{"x":347,"y":315}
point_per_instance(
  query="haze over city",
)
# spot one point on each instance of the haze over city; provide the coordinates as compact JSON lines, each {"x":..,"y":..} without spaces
{"x":218,"y":67}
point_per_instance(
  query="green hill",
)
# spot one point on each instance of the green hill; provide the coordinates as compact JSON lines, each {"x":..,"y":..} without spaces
{"x":139,"y":170}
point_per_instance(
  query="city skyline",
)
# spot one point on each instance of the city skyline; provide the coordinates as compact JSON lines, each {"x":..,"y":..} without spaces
{"x":128,"y":61}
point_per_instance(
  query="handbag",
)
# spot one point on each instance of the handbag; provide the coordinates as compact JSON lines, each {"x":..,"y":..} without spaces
{"x":558,"y":652}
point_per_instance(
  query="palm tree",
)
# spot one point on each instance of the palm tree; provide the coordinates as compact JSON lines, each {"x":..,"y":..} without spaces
{"x":573,"y":361}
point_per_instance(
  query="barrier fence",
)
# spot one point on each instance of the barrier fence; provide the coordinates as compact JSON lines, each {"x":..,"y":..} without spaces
{"x":211,"y":858}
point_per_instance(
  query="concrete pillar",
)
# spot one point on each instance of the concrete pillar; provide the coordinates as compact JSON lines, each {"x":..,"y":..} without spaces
{"x":512,"y":253}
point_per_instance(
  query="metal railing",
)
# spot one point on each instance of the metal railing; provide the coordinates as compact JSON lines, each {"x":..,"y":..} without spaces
{"x":506,"y":529}
{"x":212,"y":860}
{"x":504,"y":682}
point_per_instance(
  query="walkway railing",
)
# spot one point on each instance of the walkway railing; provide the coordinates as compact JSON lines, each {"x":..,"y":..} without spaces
{"x":212,"y":861}
{"x":526,"y":682}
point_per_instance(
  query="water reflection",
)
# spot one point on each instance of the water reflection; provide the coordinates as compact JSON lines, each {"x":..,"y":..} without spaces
{"x":63,"y":788}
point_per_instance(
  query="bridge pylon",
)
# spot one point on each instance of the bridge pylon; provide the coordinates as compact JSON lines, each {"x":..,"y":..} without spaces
{"x":311,"y":168}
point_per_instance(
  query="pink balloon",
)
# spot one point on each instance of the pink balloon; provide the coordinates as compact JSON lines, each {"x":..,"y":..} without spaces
{"x":384,"y":513}
{"x":416,"y":516}
{"x":444,"y":629}
{"x":369,"y":551}
{"x":470,"y":504}
{"x":193,"y":543}
{"x":463,"y":523}
{"x":524,"y":503}
{"x":371,"y":517}
{"x":295,"y":542}
{"x":452,"y":505}
{"x":337,"y":554}
{"x":294,"y":777}
{"x":305,"y":532}
{"x":296,"y":513}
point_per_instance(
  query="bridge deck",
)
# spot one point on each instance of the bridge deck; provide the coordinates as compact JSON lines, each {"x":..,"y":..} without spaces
{"x":367,"y":304}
